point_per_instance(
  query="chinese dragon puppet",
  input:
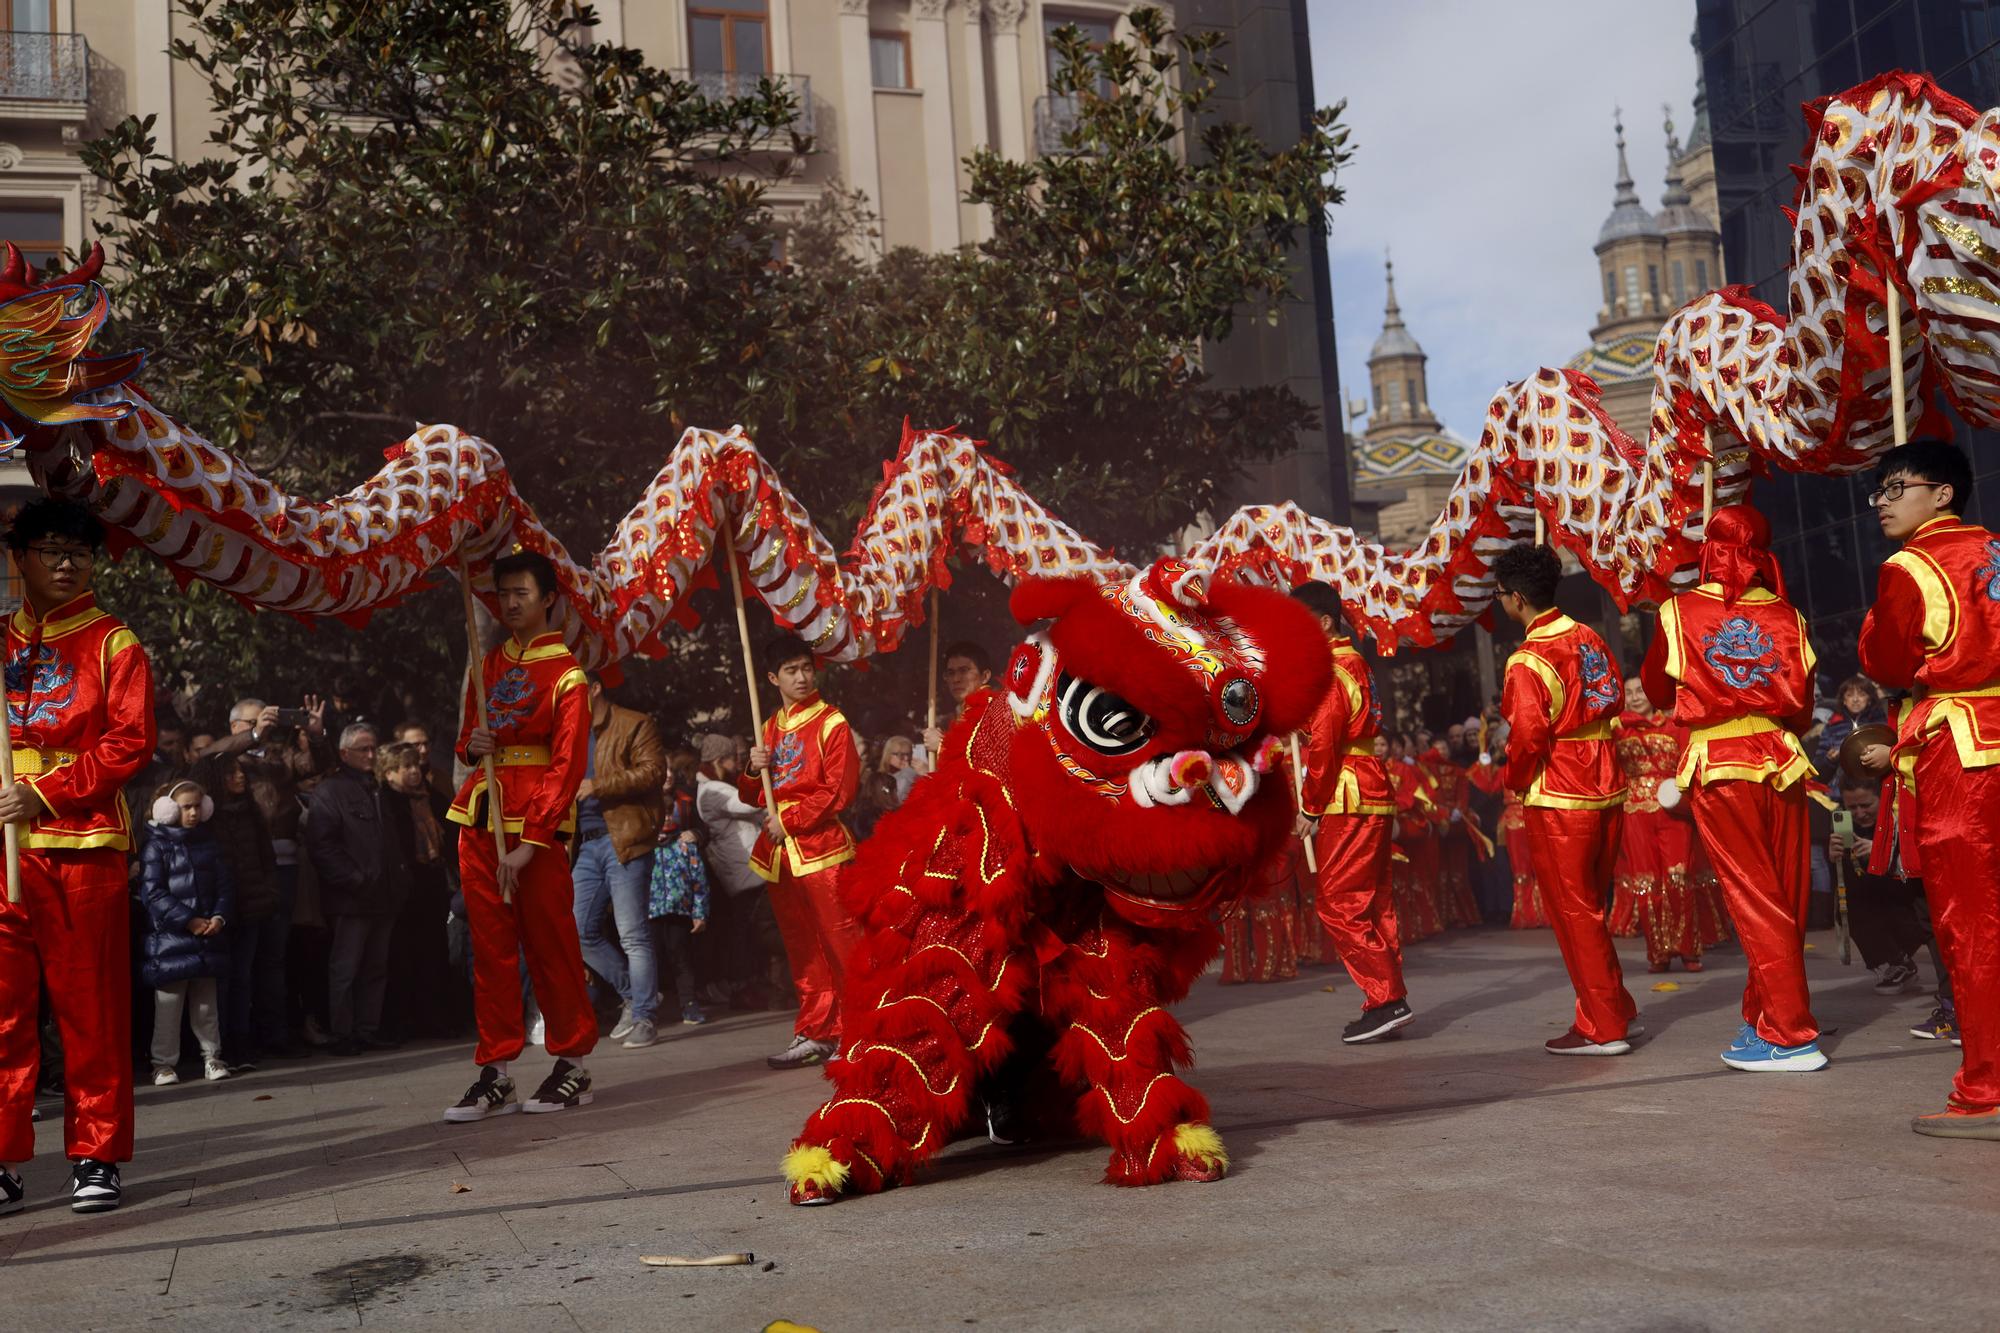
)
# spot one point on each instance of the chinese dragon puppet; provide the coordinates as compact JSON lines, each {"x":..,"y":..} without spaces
{"x":1063,"y":864}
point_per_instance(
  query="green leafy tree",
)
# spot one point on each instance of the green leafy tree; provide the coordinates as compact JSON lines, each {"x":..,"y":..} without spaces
{"x":465,"y":211}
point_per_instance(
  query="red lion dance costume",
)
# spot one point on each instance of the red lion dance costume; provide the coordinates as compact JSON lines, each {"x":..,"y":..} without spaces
{"x":1065,"y":865}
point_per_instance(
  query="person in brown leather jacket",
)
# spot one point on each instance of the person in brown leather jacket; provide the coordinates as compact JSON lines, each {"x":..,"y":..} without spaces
{"x":618,"y":813}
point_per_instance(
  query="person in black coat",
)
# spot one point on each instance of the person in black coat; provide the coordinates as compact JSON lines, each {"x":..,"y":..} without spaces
{"x":188,"y":896}
{"x":363,"y":873}
{"x":245,"y":839}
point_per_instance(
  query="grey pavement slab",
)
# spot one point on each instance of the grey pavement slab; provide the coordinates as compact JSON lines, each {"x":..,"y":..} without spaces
{"x":1456,"y":1177}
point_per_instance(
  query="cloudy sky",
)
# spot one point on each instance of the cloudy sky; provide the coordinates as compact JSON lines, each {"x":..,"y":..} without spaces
{"x":1484,"y":160}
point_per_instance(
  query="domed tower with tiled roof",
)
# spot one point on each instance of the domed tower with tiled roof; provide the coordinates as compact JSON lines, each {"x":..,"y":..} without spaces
{"x":1628,"y":260}
{"x":1405,"y":461}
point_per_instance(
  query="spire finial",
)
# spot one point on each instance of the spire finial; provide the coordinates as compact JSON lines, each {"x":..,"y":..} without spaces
{"x":1391,"y":312}
{"x":1673,"y":143}
{"x":1627,"y":192}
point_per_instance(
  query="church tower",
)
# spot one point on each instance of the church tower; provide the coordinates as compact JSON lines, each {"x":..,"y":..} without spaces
{"x":1629,"y":259}
{"x":1401,"y":405}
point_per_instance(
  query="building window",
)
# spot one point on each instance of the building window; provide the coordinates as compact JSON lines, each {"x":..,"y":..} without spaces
{"x":1680,"y":283}
{"x":1631,"y":288}
{"x":35,"y":226}
{"x":1701,"y":275}
{"x":28,"y":15}
{"x":730,"y":37}
{"x":1410,"y":393}
{"x":1610,"y":289}
{"x":1653,"y":283}
{"x":889,"y":59}
{"x":1096,"y":30}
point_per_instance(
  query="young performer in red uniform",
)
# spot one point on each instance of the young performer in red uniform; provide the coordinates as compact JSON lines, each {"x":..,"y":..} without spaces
{"x":1560,"y":693}
{"x":814,"y":773}
{"x":1348,"y":808}
{"x":1936,"y":623}
{"x":968,"y":676}
{"x":1670,"y":885}
{"x":1732,"y":662}
{"x":80,"y":703}
{"x":538,"y":732}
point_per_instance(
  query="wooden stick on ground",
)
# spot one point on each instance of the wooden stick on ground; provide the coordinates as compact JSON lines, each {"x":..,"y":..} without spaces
{"x":476,"y":682}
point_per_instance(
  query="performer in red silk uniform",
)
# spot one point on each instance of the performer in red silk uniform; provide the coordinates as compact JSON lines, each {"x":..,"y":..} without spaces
{"x":1414,"y":873}
{"x":1936,"y":624}
{"x":1560,"y":692}
{"x":538,"y":732}
{"x":814,"y":775}
{"x":1659,"y":867}
{"x":1455,"y":850}
{"x":80,"y":703}
{"x":1346,"y":794}
{"x":1732,"y":661}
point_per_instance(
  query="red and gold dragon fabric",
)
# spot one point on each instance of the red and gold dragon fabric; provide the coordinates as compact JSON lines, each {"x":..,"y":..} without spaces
{"x":1060,"y":870}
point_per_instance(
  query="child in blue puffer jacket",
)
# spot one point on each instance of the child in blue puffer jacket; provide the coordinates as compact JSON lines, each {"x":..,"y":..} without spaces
{"x":188,"y":896}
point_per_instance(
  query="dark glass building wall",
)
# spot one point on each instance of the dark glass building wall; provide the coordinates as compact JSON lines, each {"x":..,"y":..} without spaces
{"x":1762,"y":59}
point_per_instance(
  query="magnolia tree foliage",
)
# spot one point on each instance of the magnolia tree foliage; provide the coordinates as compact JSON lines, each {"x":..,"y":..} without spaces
{"x":469,"y":211}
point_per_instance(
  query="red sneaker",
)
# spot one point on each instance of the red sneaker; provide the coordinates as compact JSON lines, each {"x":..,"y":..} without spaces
{"x":1691,"y":964}
{"x":1573,"y":1042}
{"x":1952,"y":1123}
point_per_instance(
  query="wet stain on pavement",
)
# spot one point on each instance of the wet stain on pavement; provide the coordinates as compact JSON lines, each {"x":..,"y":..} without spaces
{"x":365,"y":1280}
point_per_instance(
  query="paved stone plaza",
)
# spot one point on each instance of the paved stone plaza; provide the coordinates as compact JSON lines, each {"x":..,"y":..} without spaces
{"x":1455,"y":1178}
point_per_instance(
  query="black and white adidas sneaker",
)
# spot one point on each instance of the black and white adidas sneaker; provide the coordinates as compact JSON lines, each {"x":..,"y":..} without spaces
{"x":94,"y":1186}
{"x":493,"y":1094}
{"x":13,"y":1194}
{"x":567,"y":1085}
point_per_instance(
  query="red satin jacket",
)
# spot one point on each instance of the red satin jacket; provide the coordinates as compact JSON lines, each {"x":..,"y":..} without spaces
{"x":1740,"y":679}
{"x":538,"y":707}
{"x":80,"y":705}
{"x":814,"y":774}
{"x":1343,"y":776}
{"x":1559,"y":695}
{"x":1936,"y":623}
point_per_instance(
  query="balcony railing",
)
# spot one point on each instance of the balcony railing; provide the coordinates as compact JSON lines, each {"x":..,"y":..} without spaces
{"x":722,"y":85}
{"x":44,"y":67}
{"x":1055,"y":116}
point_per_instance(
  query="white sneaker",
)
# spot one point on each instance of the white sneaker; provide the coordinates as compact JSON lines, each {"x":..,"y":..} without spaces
{"x":802,"y":1052}
{"x":623,"y":1028}
{"x":640,"y":1033}
{"x":163,"y":1077}
{"x":214,"y":1070}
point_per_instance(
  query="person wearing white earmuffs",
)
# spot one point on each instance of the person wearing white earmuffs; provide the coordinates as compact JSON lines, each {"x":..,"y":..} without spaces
{"x":188,"y":895}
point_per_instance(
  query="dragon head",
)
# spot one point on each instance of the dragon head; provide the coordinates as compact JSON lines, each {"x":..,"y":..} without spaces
{"x":45,"y":328}
{"x":1147,"y":719}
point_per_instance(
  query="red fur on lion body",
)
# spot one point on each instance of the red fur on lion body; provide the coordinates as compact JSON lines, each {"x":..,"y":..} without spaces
{"x":985,"y":896}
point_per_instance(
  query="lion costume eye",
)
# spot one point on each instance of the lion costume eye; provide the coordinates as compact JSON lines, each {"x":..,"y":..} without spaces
{"x":1100,"y":719}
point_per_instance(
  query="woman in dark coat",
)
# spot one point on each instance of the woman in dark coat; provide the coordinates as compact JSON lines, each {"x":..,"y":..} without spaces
{"x":189,"y":898}
{"x":245,"y":839}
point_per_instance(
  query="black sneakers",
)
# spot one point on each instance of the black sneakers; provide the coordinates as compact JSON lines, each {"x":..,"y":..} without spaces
{"x":567,"y":1085}
{"x":1377,"y":1023}
{"x":1006,"y":1124}
{"x":493,"y":1094}
{"x":12,"y":1192}
{"x":94,"y":1186}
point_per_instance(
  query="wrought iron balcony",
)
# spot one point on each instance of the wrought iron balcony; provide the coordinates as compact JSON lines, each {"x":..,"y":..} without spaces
{"x":44,"y":67}
{"x":722,"y":85}
{"x":1055,"y":116}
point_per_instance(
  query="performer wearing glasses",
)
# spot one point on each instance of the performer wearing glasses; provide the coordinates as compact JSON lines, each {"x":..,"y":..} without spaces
{"x":80,"y":707}
{"x":1936,"y":624}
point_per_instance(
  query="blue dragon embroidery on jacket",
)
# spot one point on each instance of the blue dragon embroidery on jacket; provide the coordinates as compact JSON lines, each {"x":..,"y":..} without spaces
{"x":1600,"y":682}
{"x":788,"y":761}
{"x":1740,"y":653}
{"x":510,"y":700}
{"x":45,"y":689}
{"x":1987,"y":576}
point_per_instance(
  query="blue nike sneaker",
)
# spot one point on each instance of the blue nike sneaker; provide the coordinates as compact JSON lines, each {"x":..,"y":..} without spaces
{"x":1761,"y":1057}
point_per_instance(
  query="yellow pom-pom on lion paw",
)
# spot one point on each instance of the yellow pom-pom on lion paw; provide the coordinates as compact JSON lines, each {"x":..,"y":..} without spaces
{"x":1202,"y":1156}
{"x":814,"y":1174}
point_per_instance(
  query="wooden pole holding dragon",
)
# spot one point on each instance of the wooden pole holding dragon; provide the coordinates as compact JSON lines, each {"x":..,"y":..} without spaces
{"x":749,"y":669}
{"x":475,"y":680}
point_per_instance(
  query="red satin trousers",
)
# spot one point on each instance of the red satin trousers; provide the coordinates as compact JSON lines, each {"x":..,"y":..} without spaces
{"x":1354,"y":903}
{"x":1758,"y":839}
